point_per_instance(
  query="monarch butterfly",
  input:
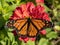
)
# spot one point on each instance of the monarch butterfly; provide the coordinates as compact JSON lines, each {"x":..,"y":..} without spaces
{"x":29,"y":26}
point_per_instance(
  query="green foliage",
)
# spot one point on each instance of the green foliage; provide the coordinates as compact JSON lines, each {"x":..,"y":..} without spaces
{"x":51,"y":35}
{"x":28,"y":43}
{"x":44,"y":41}
{"x":6,"y":9}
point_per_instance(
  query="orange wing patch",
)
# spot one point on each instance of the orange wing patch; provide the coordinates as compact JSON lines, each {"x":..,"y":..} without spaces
{"x":23,"y":31}
{"x":19,"y":23}
{"x":38,"y":23}
{"x":32,"y":30}
{"x":29,"y":27}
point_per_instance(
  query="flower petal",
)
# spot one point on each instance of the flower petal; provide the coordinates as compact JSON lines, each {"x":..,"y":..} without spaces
{"x":33,"y":39}
{"x":39,"y":1}
{"x":17,"y":14}
{"x":30,"y":6}
{"x":43,"y":32}
{"x":25,"y":39}
{"x":45,"y":16}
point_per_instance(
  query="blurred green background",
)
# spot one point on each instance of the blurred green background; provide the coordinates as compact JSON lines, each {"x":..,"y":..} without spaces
{"x":7,"y":37}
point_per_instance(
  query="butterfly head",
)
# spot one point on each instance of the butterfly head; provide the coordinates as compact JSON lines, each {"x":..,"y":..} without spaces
{"x":10,"y":24}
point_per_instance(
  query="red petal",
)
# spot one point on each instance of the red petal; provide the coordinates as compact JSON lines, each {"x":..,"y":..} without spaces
{"x":25,"y":39}
{"x":43,"y":32}
{"x":40,"y":8}
{"x":39,"y":1}
{"x":33,"y":39}
{"x":23,"y":7}
{"x":30,"y":6}
{"x":20,"y":39}
{"x":45,"y":16}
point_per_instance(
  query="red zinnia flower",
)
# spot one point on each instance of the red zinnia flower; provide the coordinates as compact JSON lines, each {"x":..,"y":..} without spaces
{"x":26,"y":10}
{"x":30,"y":10}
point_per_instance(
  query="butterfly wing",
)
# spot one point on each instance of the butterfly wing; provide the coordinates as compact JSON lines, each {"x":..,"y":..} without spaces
{"x":30,"y":28}
{"x":32,"y":32}
{"x":35,"y":26}
{"x":39,"y":24}
{"x":21,"y":26}
{"x":19,"y":23}
{"x":23,"y":31}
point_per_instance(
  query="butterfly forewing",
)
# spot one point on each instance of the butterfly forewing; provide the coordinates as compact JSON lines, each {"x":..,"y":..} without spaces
{"x":38,"y":23}
{"x":19,"y":23}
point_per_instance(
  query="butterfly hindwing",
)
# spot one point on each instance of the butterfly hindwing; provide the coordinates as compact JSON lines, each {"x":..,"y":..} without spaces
{"x":32,"y":31}
{"x":23,"y":30}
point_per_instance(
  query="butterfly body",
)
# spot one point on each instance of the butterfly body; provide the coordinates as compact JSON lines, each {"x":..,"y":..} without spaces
{"x":29,"y":27}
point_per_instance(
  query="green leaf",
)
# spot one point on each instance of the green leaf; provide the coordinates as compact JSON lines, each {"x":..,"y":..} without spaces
{"x":30,"y":42}
{"x":14,"y":43}
{"x":1,"y":35}
{"x":51,"y":35}
{"x":23,"y":43}
{"x":12,"y":7}
{"x":18,"y":41}
{"x":2,"y":22}
{"x":18,"y":2}
{"x":48,"y":30}
{"x":0,"y":6}
{"x":9,"y":0}
{"x":7,"y":40}
{"x":7,"y":16}
{"x":4,"y":4}
{"x":46,"y":8}
{"x":43,"y":41}
{"x":58,"y":6}
{"x":10,"y":29}
{"x":55,"y":12}
{"x":2,"y":42}
{"x":11,"y":36}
